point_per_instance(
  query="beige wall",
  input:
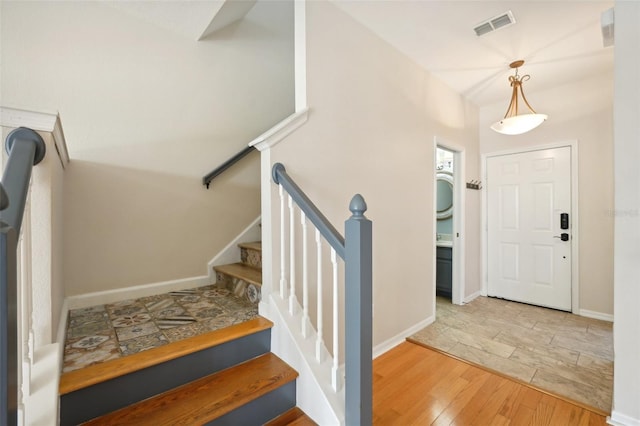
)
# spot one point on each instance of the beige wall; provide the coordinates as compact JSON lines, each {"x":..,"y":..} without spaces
{"x":373,"y":118}
{"x":589,"y":120}
{"x":147,"y":112}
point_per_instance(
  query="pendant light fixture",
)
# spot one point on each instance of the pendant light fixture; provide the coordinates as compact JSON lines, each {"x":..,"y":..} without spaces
{"x":514,"y":123}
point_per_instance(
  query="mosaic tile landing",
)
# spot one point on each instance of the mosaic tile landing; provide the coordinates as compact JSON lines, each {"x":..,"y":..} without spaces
{"x":105,"y":332}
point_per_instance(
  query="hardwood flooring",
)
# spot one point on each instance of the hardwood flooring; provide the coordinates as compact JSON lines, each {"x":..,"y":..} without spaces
{"x":413,"y":385}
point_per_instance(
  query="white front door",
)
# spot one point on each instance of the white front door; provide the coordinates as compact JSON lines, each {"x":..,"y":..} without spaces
{"x":527,"y":259}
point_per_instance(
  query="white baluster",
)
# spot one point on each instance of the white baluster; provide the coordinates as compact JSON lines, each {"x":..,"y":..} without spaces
{"x":319,"y":342}
{"x":335,"y":379}
{"x":305,"y":278}
{"x":25,"y":291}
{"x":283,"y":281}
{"x":292,"y":258}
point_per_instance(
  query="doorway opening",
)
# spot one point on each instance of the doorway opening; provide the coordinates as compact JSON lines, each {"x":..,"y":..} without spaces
{"x":448,"y":221}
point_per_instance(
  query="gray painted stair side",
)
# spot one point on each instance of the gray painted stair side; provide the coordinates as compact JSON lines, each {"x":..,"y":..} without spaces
{"x":101,"y":398}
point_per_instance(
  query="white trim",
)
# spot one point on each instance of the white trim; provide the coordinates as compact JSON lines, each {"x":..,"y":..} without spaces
{"x":484,"y":267}
{"x":470,"y":298}
{"x":60,"y":142}
{"x":274,"y":135}
{"x":62,"y":325}
{"x":458,"y":237}
{"x":300,"y":54}
{"x":61,"y":334}
{"x":231,"y":252}
{"x":38,"y":121}
{"x":41,"y":406}
{"x":267,"y":230}
{"x":596,"y":315}
{"x":394,"y":341}
{"x":314,"y":394}
{"x":134,"y":292}
{"x":575,"y":221}
{"x":619,"y":419}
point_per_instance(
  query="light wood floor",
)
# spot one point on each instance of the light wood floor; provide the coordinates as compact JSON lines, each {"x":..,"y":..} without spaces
{"x":413,"y":385}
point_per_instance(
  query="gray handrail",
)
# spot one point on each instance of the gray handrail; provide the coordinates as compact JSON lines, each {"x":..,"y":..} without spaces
{"x":206,"y":180}
{"x":26,"y":149}
{"x":4,"y":198}
{"x":322,"y":224}
{"x":356,"y":250}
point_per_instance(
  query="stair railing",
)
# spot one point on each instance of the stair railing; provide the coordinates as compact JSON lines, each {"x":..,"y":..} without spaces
{"x":26,"y":149}
{"x":355,"y":248}
{"x":206,"y":179}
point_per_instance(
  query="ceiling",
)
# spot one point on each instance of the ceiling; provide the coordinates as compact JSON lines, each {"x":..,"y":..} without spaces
{"x":560,"y":41}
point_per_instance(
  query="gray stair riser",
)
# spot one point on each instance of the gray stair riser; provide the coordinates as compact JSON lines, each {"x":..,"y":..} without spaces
{"x":84,"y":404}
{"x":251,"y":257}
{"x":261,"y":410}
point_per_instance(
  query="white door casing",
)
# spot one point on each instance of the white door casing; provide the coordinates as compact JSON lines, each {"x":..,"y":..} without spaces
{"x":526,"y":193}
{"x":458,"y":290}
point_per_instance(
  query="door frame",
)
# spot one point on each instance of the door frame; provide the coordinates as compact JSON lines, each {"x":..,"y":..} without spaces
{"x":575,"y":233}
{"x":458,"y":237}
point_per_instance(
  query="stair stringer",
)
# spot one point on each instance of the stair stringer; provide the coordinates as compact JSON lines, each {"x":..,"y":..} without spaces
{"x":314,"y":392}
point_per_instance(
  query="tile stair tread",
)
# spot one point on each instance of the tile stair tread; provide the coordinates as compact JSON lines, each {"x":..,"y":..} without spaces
{"x":97,"y":373}
{"x":293,"y":417}
{"x":242,"y":271}
{"x":256,"y":245}
{"x":208,"y":398}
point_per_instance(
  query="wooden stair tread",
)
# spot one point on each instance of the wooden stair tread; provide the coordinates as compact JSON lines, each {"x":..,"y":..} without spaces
{"x":256,"y":245}
{"x":208,"y":398}
{"x":294,"y":416}
{"x":242,"y":271}
{"x":97,"y":373}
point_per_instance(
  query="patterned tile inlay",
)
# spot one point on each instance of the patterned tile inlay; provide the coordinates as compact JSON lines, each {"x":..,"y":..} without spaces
{"x":105,"y":332}
{"x":557,"y":351}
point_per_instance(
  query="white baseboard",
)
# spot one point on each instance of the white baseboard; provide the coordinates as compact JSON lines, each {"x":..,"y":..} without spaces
{"x":61,"y":334}
{"x":618,"y":419}
{"x":116,"y":295}
{"x":595,"y":315}
{"x":473,"y":296}
{"x":401,"y":337}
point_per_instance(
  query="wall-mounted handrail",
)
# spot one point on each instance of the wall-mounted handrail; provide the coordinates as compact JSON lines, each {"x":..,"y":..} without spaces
{"x":356,"y":250}
{"x":206,"y":180}
{"x":322,"y":224}
{"x":26,"y":149}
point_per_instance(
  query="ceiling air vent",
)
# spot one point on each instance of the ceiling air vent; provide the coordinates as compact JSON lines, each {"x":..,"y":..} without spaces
{"x":495,"y":23}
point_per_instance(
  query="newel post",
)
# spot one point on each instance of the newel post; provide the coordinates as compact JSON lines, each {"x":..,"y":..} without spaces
{"x":358,"y":313}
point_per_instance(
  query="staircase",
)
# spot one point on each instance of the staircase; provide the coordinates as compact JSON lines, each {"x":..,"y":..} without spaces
{"x":244,"y":279}
{"x":224,"y":377}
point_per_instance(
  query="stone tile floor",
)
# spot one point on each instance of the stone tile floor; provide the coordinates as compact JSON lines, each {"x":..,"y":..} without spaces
{"x":105,"y":332}
{"x":563,"y":353}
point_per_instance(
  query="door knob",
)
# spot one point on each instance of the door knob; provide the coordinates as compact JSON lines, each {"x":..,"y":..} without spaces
{"x":564,"y":236}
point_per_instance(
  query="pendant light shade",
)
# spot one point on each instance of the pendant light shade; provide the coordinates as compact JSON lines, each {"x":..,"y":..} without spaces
{"x":514,"y":123}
